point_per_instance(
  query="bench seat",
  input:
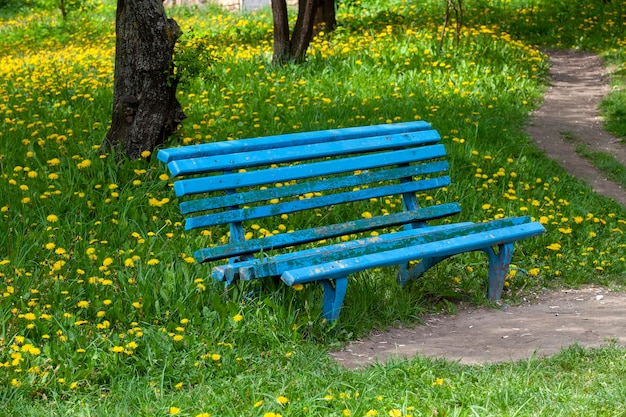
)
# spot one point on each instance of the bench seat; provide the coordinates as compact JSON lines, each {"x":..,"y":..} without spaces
{"x":245,"y":183}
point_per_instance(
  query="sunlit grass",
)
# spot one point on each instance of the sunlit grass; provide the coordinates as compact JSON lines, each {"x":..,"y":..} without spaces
{"x":606,"y":163}
{"x":99,"y":293}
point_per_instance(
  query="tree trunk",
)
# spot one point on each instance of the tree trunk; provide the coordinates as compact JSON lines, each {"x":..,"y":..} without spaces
{"x":325,"y":15}
{"x":303,"y":31}
{"x":281,"y":32}
{"x":63,"y":9}
{"x":293,"y":49}
{"x":145,"y":108}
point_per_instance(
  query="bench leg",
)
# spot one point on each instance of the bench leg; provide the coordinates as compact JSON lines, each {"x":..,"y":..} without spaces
{"x":405,"y":274}
{"x":498,"y":268}
{"x":334,"y":293}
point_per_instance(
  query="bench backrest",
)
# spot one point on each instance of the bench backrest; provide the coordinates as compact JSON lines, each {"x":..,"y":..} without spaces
{"x":240,"y":182}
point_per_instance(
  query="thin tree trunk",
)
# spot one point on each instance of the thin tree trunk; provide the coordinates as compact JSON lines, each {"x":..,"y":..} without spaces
{"x":303,"y":31}
{"x":145,"y":108}
{"x":63,"y":9}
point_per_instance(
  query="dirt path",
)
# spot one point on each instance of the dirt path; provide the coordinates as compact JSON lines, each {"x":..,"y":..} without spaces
{"x":591,"y":317}
{"x":569,"y":116}
{"x":541,"y":326}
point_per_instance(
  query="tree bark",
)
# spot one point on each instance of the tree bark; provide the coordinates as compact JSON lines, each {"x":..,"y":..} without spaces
{"x":281,"y":32}
{"x":293,"y":49}
{"x":326,"y":15}
{"x":303,"y":31}
{"x":145,"y":109}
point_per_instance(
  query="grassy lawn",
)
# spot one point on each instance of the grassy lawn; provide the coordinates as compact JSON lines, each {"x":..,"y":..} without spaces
{"x":103,"y":311}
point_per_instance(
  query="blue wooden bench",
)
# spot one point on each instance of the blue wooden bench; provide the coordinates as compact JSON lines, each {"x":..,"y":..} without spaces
{"x":239,"y":184}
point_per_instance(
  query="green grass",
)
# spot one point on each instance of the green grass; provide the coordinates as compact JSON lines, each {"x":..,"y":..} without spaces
{"x":102,"y":311}
{"x":605,"y":162}
{"x":614,"y":110}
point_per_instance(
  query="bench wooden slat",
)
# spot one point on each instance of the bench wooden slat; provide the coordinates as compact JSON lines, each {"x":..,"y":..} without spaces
{"x":446,"y":247}
{"x":288,"y":140}
{"x":232,"y":162}
{"x":276,"y":265}
{"x":314,"y":169}
{"x":257,"y":268}
{"x":301,"y":189}
{"x":299,"y":237}
{"x":252,"y":213}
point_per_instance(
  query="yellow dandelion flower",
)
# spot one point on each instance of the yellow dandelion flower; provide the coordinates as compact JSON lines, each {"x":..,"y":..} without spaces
{"x":282,"y":399}
{"x":33,"y":350}
{"x":237,"y":317}
{"x":174,"y":410}
{"x":29,"y":316}
{"x":84,"y":164}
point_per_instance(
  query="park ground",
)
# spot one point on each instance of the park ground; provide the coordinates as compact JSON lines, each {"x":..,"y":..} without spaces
{"x":104,"y":312}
